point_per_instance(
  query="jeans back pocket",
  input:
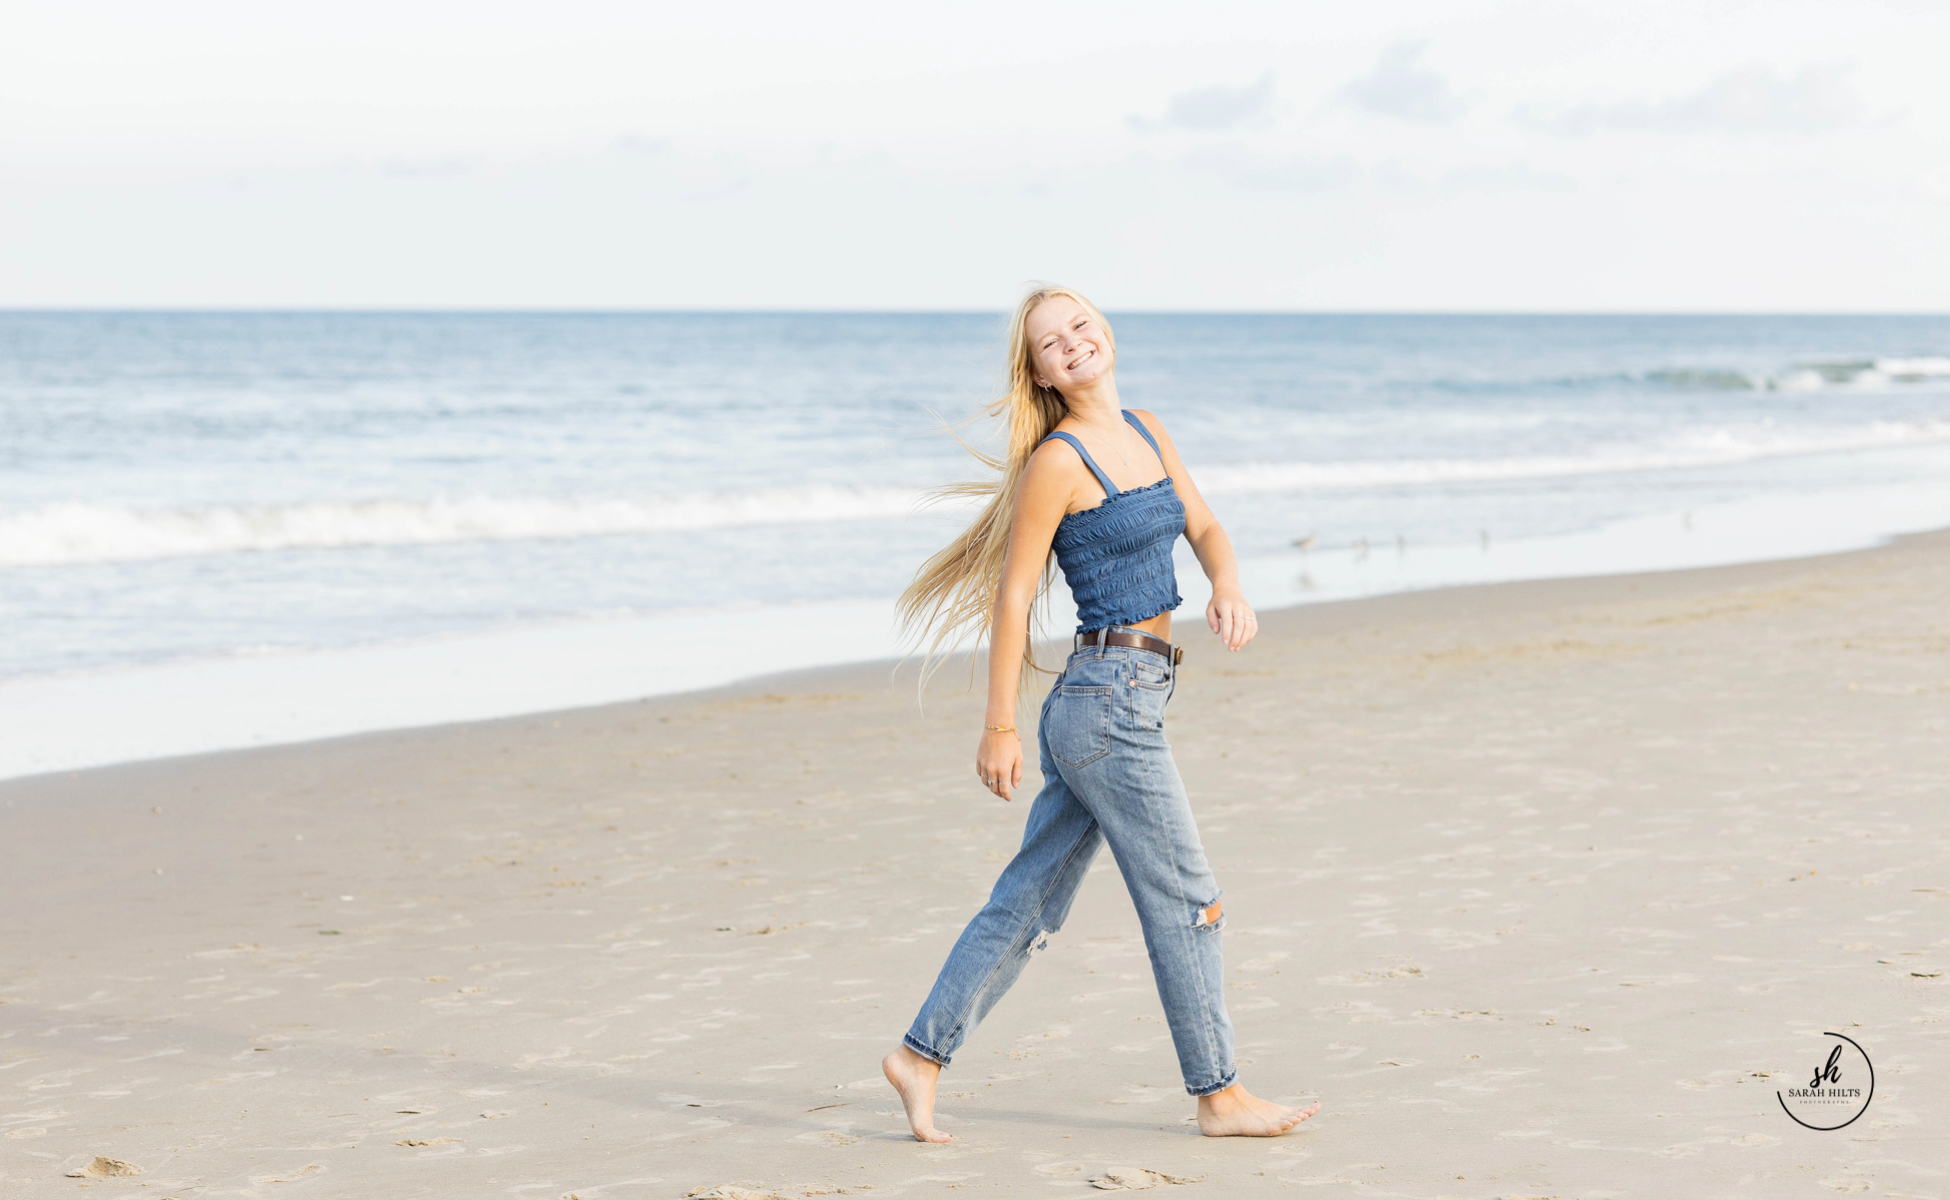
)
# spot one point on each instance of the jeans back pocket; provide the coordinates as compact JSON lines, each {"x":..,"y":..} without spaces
{"x":1151,"y":689}
{"x":1079,"y":724}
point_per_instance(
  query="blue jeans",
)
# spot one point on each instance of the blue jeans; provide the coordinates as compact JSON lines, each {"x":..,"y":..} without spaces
{"x":1108,"y":776}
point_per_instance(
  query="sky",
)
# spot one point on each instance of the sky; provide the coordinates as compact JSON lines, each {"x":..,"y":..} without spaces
{"x":1461,"y":155}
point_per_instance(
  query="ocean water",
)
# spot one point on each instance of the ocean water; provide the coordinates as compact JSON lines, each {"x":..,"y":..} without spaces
{"x":195,"y":489}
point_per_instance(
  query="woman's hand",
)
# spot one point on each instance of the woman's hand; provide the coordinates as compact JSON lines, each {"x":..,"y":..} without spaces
{"x":998,"y":762}
{"x":1232,"y":619}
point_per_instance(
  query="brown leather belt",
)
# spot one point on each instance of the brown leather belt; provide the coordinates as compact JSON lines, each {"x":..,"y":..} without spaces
{"x":1136,"y":641}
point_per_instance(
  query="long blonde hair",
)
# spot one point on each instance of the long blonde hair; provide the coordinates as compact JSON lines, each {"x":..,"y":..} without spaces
{"x":952,"y":597}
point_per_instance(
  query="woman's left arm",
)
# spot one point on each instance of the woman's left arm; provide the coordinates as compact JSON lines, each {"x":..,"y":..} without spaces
{"x":1227,"y":612}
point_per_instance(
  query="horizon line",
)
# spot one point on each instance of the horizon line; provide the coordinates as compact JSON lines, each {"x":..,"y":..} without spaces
{"x":591,"y":311}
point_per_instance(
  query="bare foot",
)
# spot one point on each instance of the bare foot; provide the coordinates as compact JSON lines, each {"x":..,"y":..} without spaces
{"x":1236,"y":1112}
{"x":914,"y":1078}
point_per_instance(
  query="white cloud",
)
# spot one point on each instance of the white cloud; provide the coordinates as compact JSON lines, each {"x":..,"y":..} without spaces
{"x":1753,"y":99}
{"x":1212,"y":109}
{"x":870,"y":154}
{"x":1401,"y":87}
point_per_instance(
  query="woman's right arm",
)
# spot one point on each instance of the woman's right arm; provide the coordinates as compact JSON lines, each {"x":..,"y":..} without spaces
{"x":1041,"y":499}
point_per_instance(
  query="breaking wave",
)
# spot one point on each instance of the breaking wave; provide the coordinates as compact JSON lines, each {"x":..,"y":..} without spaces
{"x":1706,"y":448}
{"x":82,"y":532}
{"x":1808,"y":377}
{"x":70,"y":533}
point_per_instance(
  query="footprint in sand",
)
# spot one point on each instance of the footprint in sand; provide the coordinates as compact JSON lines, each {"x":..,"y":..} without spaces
{"x":291,"y":1177}
{"x":1135,"y":1179}
{"x":1058,"y":1168}
{"x":105,"y":1168}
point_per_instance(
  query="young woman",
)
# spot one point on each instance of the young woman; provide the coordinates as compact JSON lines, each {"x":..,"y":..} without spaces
{"x":1104,"y":488}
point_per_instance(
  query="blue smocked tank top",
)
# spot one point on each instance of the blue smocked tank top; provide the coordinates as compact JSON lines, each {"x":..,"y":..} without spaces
{"x":1116,"y":557}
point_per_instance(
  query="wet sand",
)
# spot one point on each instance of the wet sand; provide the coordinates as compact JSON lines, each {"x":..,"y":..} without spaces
{"x":1541,"y":889}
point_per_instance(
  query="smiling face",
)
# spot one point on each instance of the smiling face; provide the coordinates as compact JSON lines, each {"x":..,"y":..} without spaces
{"x":1069,"y":347}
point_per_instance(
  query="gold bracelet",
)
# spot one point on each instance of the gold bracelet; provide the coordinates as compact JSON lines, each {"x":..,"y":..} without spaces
{"x":1000,"y":728}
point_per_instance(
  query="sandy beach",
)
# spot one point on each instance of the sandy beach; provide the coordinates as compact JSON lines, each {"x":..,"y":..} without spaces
{"x":1541,"y":889}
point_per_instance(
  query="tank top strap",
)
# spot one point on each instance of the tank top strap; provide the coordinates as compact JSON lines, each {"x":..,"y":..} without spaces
{"x":1110,"y":489}
{"x":1139,"y":426}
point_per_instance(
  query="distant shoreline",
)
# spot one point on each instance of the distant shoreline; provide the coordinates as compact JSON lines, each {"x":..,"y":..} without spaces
{"x":478,"y":676}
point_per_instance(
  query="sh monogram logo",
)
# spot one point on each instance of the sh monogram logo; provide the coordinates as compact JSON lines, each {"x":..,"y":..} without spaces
{"x":1839,"y":1092}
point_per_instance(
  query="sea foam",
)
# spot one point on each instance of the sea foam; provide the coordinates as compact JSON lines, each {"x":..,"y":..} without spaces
{"x":1697,"y":448}
{"x":1865,"y":374}
{"x":79,"y":532}
{"x":82,"y":532}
